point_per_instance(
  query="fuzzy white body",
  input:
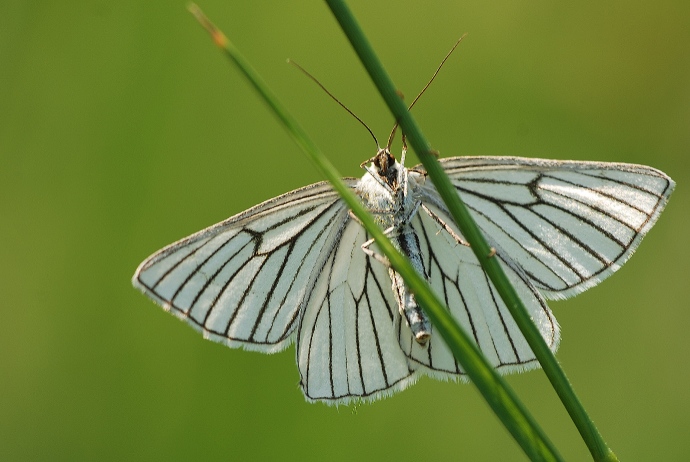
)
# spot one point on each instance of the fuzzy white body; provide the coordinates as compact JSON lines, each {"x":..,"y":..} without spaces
{"x":392,"y":195}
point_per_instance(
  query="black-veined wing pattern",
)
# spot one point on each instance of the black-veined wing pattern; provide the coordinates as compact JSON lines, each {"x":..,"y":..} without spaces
{"x":293,"y":268}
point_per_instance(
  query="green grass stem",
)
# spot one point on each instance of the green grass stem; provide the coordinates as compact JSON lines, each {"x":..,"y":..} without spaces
{"x":591,"y":436}
{"x":500,"y":397}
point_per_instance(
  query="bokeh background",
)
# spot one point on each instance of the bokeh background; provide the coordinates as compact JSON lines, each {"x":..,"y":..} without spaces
{"x":122,"y":129}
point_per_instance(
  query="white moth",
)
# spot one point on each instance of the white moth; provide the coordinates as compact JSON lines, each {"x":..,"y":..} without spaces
{"x":299,"y":267}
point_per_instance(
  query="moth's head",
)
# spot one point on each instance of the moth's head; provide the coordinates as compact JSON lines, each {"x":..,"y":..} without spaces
{"x":387,"y":167}
{"x":383,"y":161}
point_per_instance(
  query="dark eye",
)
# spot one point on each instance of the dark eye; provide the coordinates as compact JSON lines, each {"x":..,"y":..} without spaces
{"x":390,"y":159}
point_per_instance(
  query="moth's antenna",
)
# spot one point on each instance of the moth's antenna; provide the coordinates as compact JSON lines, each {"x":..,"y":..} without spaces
{"x":438,"y":69}
{"x":335,"y":99}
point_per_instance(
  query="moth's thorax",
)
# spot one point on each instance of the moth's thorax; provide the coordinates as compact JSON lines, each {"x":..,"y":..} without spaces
{"x":391,"y":193}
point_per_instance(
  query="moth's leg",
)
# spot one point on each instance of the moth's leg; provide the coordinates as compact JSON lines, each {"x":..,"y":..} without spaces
{"x":378,"y":257}
{"x":403,"y":171}
{"x":445,"y":226}
{"x":365,"y":247}
{"x":390,"y":232}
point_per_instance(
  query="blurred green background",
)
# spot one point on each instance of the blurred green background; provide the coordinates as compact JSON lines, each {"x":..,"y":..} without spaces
{"x":122,"y":129}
